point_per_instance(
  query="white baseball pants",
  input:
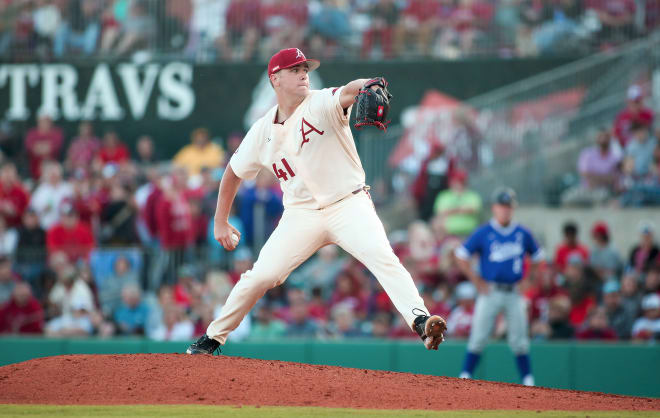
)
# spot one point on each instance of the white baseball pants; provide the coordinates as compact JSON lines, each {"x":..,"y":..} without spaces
{"x":352,"y":224}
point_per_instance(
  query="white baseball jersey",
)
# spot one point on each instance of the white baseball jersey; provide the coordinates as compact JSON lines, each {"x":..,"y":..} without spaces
{"x":312,"y":153}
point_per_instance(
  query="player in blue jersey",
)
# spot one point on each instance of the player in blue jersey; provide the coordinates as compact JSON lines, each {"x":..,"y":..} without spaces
{"x":501,"y":246}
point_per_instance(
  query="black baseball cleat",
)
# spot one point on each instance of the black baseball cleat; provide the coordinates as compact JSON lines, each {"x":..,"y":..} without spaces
{"x":430,"y":329}
{"x":204,"y":345}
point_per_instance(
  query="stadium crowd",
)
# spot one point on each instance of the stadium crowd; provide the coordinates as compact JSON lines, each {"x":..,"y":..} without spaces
{"x":98,"y":239}
{"x":244,"y":30}
{"x":623,"y":166}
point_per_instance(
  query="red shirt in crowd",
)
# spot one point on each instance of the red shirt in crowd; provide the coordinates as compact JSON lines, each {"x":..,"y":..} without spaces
{"x":26,"y":319}
{"x":422,"y":10}
{"x":242,"y":15}
{"x":82,"y":151}
{"x":13,"y":200}
{"x":596,"y":334}
{"x":50,"y":141}
{"x":626,"y":118}
{"x":539,"y":300}
{"x":565,"y":251}
{"x":283,"y":15}
{"x":580,"y":310}
{"x":76,"y":242}
{"x":115,"y":155}
{"x":174,"y":222}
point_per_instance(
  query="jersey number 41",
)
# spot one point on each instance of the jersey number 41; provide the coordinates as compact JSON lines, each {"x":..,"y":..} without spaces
{"x":280,"y":173}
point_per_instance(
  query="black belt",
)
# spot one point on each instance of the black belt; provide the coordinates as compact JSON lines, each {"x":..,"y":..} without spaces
{"x":504,"y":287}
{"x":362,"y":188}
{"x":365,"y":188}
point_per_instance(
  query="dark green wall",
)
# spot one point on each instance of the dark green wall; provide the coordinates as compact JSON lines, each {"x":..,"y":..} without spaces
{"x":223,"y":93}
{"x":613,"y":368}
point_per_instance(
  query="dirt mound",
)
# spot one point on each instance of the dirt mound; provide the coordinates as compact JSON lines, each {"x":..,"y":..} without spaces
{"x":182,"y":379}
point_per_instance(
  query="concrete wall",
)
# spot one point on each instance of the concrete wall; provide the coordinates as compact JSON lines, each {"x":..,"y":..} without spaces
{"x":546,"y":224}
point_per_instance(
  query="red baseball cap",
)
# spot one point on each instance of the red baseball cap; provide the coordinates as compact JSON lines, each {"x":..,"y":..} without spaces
{"x":600,"y":229}
{"x":288,"y":58}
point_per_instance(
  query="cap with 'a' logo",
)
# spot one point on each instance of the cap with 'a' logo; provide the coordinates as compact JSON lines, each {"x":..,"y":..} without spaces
{"x":288,"y":58}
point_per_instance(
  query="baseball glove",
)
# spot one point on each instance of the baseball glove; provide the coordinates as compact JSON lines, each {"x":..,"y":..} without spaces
{"x":373,"y":104}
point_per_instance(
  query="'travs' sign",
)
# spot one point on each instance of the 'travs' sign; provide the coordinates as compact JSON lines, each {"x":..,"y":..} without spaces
{"x":108,"y":93}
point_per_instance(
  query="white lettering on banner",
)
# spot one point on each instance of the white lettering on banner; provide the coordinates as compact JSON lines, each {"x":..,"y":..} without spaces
{"x":174,"y":84}
{"x":138,"y":95}
{"x":18,"y":109}
{"x":58,"y":81}
{"x":100,"y":99}
{"x":102,"y":94}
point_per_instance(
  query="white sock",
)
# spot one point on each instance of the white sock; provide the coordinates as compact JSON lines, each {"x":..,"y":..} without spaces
{"x":528,"y":380}
{"x":465,"y":375}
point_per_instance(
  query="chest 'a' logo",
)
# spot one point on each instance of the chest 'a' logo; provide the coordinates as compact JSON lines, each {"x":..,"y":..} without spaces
{"x":304,"y":132}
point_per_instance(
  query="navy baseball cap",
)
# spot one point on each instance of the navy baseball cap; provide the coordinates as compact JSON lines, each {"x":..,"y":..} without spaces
{"x":504,"y":196}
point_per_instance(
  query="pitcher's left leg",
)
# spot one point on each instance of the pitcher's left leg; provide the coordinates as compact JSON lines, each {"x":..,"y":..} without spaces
{"x":355,"y":226}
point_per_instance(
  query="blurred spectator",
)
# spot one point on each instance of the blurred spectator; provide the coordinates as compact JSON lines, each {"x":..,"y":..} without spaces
{"x":468,"y":20}
{"x":644,"y":254}
{"x":117,"y":219}
{"x":631,"y":297}
{"x":132,"y":314}
{"x":597,"y":327}
{"x":432,"y":179}
{"x":22,"y":314}
{"x":83,"y":148}
{"x":420,"y":257}
{"x":317,"y":307}
{"x":648,"y":326}
{"x":8,"y":280}
{"x":243,"y":28}
{"x":652,"y":280}
{"x":111,"y":288}
{"x":459,"y":321}
{"x":616,"y":20}
{"x":580,"y":286}
{"x":619,"y":317}
{"x":604,"y":257}
{"x":43,"y":143}
{"x":635,"y":112}
{"x":349,"y":292}
{"x":284,"y":23}
{"x":138,"y":30}
{"x":200,"y":153}
{"x":639,"y":151}
{"x":545,"y":288}
{"x":69,"y":293}
{"x":260,"y":208}
{"x":300,"y":325}
{"x":381,"y":325}
{"x":266,"y":326}
{"x":344,"y":324}
{"x":49,"y":195}
{"x":570,"y":246}
{"x":14,"y":197}
{"x":77,"y":323}
{"x":419,"y":21}
{"x":558,"y":318}
{"x":30,"y":251}
{"x":70,"y":236}
{"x":599,"y":168}
{"x":329,"y":28}
{"x":384,"y":16}
{"x":175,"y":327}
{"x":81,"y":28}
{"x":459,"y":208}
{"x":559,"y":29}
{"x":8,"y":239}
{"x":174,"y":225}
{"x":146,"y":154}
{"x":321,"y":271}
{"x":112,"y":150}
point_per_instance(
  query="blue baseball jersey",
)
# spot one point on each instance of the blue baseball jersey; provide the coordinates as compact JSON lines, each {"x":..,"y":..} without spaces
{"x":501,"y":251}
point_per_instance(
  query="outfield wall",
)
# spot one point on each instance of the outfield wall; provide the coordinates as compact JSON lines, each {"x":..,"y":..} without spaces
{"x":612,"y":368}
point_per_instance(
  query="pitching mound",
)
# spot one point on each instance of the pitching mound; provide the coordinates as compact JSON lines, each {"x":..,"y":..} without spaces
{"x":182,"y":379}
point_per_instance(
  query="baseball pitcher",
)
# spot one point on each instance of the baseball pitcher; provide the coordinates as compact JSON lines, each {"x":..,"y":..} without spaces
{"x":306,"y":142}
{"x":501,"y":246}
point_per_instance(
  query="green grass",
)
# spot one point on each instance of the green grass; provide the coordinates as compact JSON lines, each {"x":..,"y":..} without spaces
{"x":281,"y":412}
